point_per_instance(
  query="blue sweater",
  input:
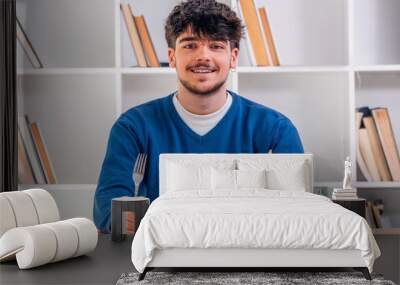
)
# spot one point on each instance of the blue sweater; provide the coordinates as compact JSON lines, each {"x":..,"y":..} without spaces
{"x":156,"y":127}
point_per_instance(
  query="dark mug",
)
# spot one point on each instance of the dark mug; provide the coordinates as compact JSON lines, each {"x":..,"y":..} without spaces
{"x":126,"y":214}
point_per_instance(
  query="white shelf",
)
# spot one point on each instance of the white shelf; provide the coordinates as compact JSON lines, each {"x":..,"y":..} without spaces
{"x":60,"y":187}
{"x":386,"y":231}
{"x":148,"y":70}
{"x":360,"y":184}
{"x":55,"y":71}
{"x":239,"y":70}
{"x":365,"y":184}
{"x":291,"y":69}
{"x":377,"y":68}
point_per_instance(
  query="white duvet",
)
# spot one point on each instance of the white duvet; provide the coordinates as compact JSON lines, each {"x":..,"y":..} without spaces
{"x":251,"y":218}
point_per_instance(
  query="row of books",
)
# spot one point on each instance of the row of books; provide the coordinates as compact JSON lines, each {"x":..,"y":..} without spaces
{"x":260,"y":43}
{"x":34,"y":164}
{"x":259,"y":40}
{"x":376,"y":216}
{"x":377,"y":153}
{"x":140,"y":38}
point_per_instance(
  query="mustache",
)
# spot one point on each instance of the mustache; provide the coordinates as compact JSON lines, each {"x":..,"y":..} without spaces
{"x":201,"y":65}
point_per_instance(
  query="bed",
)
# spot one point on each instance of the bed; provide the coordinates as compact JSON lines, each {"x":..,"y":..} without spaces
{"x":245,"y":211}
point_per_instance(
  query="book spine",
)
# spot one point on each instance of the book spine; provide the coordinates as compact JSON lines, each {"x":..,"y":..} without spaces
{"x":43,"y":154}
{"x":376,"y":148}
{"x":268,"y":36}
{"x":377,"y":217}
{"x":146,"y":41}
{"x":254,"y":32}
{"x":23,"y":125}
{"x":386,"y":135}
{"x":133,"y":35}
{"x":370,"y":215}
{"x":360,"y":159}
{"x":366,"y":152}
{"x":250,"y":52}
{"x":25,"y":173}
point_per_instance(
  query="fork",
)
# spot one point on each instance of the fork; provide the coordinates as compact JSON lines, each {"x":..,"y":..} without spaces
{"x":138,"y":171}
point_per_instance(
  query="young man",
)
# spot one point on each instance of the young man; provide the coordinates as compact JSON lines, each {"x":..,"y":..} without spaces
{"x":202,"y":116}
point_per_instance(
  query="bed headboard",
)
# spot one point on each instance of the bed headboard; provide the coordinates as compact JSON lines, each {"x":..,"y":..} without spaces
{"x":218,"y":159}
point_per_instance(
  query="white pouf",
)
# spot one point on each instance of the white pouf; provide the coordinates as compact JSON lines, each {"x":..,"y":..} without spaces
{"x":40,"y":244}
{"x":31,"y":232}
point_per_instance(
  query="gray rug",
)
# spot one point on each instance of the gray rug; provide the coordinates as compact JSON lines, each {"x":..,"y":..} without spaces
{"x":269,"y":278}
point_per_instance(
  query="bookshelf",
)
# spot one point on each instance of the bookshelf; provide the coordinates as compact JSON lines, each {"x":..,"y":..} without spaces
{"x":336,"y":55}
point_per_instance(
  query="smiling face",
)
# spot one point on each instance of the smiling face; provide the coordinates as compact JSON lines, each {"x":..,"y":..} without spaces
{"x":202,"y":64}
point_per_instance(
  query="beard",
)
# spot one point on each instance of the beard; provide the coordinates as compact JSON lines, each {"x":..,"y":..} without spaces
{"x":203,"y":92}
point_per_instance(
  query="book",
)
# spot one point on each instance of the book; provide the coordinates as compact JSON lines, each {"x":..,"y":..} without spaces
{"x":250,"y":17}
{"x":349,"y":194}
{"x":366,"y":152}
{"x":360,"y":160}
{"x":27,"y":46}
{"x":387,"y":138}
{"x":148,"y":46}
{"x":382,"y":220}
{"x":340,"y":190}
{"x":23,"y":125}
{"x":344,"y":194}
{"x":133,"y":35}
{"x":43,"y":154}
{"x":376,"y":146}
{"x":25,"y":173}
{"x":344,"y":198}
{"x":369,"y":215}
{"x":249,"y":48}
{"x":268,"y":36}
{"x":377,"y":215}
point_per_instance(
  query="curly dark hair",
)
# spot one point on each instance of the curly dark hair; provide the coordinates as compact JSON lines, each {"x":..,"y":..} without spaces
{"x":207,"y":18}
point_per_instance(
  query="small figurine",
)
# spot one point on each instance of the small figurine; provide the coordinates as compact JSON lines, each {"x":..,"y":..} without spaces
{"x":347,"y":174}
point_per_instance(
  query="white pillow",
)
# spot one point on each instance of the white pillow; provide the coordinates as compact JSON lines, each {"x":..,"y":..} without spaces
{"x":287,"y":179}
{"x":236,"y":179}
{"x":188,"y":177}
{"x":282,"y":174}
{"x":252,"y":178}
{"x":223,"y":179}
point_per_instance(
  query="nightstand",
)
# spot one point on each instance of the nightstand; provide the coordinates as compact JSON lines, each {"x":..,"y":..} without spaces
{"x":356,"y":205}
